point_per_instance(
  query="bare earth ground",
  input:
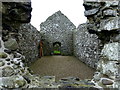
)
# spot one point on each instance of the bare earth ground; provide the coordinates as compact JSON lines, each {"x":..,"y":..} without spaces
{"x":61,"y":67}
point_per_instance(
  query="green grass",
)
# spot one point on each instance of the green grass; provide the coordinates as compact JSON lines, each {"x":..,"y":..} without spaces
{"x":56,"y":52}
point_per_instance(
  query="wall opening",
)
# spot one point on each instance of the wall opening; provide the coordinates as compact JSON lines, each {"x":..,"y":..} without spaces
{"x":56,"y":48}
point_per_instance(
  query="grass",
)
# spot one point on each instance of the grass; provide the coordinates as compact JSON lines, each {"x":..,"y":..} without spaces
{"x":56,"y":52}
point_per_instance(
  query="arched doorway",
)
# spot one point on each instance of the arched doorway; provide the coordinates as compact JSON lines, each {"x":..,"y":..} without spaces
{"x":56,"y":48}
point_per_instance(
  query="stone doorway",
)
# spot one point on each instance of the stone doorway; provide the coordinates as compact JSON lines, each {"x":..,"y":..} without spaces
{"x":56,"y":48}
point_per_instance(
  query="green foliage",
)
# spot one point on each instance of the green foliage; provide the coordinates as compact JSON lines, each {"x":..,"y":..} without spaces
{"x":56,"y":52}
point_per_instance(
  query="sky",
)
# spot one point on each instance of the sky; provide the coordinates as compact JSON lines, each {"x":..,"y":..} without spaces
{"x":42,"y":9}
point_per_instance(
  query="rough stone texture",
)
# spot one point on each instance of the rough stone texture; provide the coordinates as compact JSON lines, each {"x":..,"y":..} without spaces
{"x":3,"y":55}
{"x":107,"y":82}
{"x":11,"y":44}
{"x":29,"y":42}
{"x":57,"y":28}
{"x":111,"y":51}
{"x":110,"y":12}
{"x":105,"y":24}
{"x":86,"y":46}
{"x":7,"y":72}
{"x":110,"y":24}
{"x":17,"y":11}
{"x":17,"y":33}
{"x":15,"y":74}
{"x":15,"y":67}
{"x":11,"y":61}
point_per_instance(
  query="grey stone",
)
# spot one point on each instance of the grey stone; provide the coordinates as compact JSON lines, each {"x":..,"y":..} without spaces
{"x":14,"y":82}
{"x":97,"y":76}
{"x":29,"y":42}
{"x":110,"y":12}
{"x":106,"y":24}
{"x":91,"y":5}
{"x":11,"y":44}
{"x":2,"y":63}
{"x":112,"y":3}
{"x":3,"y":55}
{"x":73,"y":82}
{"x":57,"y":29}
{"x":115,"y":38}
{"x":110,"y":24}
{"x":7,"y":71}
{"x":21,"y":15}
{"x":86,"y":46}
{"x":107,"y":82}
{"x":111,"y":51}
{"x":91,"y":12}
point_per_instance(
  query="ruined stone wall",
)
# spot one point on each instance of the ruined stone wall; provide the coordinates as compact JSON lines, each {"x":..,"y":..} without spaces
{"x":29,"y":40}
{"x":86,"y":46}
{"x":103,"y":20}
{"x":17,"y":35}
{"x":13,"y":70}
{"x":57,"y":28}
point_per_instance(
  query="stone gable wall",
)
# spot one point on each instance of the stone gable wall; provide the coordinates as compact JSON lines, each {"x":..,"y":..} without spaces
{"x":57,"y":28}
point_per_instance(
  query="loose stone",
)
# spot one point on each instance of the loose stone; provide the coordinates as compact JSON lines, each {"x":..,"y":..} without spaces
{"x":107,"y":82}
{"x":3,"y":55}
{"x":7,"y":71}
{"x":2,"y":63}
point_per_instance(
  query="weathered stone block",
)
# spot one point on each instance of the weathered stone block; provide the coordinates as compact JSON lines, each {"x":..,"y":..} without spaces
{"x":107,"y":81}
{"x":110,"y":24}
{"x":110,"y":12}
{"x":3,"y":55}
{"x":14,"y":82}
{"x":109,"y":68}
{"x":7,"y":71}
{"x":11,"y":44}
{"x":111,"y":51}
{"x":91,"y":12}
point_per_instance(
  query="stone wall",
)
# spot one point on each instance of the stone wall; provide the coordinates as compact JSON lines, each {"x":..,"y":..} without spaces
{"x":103,"y":20}
{"x":29,"y":42}
{"x":12,"y":68}
{"x":57,"y":28}
{"x":17,"y":35}
{"x":86,"y":46}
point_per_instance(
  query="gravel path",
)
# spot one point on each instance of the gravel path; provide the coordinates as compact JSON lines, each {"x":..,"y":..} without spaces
{"x":62,"y":66}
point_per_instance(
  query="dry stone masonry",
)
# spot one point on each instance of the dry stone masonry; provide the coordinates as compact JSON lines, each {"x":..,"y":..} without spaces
{"x":17,"y":35}
{"x":13,"y":70}
{"x":103,"y":20}
{"x":57,"y":28}
{"x":86,"y":46}
{"x":29,"y":42}
{"x":14,"y":73}
{"x":19,"y":42}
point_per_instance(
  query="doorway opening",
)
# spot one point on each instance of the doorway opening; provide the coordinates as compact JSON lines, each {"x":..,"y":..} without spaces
{"x":57,"y":48}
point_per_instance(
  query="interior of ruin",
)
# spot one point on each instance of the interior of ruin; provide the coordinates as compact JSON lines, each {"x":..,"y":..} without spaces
{"x":60,"y":55}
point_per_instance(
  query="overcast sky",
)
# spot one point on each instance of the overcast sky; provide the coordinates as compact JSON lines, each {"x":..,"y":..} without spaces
{"x":42,"y":9}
